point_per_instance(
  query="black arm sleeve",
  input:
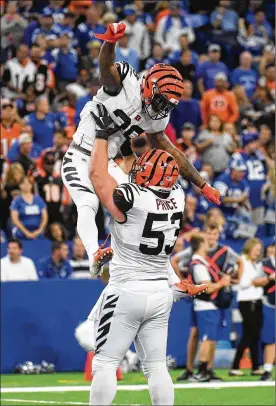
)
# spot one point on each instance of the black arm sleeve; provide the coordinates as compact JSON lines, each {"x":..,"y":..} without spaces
{"x":123,"y":197}
{"x":6,"y":76}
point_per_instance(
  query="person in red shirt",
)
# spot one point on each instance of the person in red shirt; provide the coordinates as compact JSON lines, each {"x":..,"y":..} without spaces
{"x":220,"y":102}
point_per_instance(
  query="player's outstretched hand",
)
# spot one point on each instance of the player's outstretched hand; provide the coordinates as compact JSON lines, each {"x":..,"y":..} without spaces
{"x":212,"y":194}
{"x":113,"y":33}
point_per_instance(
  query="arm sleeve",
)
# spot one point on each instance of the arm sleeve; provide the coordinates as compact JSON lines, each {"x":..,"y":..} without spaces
{"x":6,"y":75}
{"x":14,"y":204}
{"x":123,"y":197}
{"x":201,"y":273}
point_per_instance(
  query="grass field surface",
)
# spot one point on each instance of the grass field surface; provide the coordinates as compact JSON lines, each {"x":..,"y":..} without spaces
{"x":71,"y":389}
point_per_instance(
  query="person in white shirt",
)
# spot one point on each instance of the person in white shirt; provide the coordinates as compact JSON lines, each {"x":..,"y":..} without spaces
{"x":249,"y":299}
{"x":207,"y":314}
{"x":15,"y":267}
{"x":79,"y":261}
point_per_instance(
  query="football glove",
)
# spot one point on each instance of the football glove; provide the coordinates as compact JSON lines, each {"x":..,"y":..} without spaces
{"x":105,"y":126}
{"x":113,"y":33}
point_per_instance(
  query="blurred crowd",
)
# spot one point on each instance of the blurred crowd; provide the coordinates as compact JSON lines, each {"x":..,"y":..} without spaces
{"x":224,"y":122}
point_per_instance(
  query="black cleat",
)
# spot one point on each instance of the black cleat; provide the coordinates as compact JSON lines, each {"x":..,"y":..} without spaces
{"x":267,"y":376}
{"x":185,"y":376}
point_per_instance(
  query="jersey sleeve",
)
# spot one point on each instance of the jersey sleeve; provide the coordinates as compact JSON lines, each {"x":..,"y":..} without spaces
{"x":123,"y":197}
{"x":125,"y":71}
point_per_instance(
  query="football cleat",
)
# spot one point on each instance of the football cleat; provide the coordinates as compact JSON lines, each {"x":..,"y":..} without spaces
{"x":267,"y":376}
{"x":186,"y":376}
{"x":202,"y":377}
{"x":236,"y":372}
{"x":213,"y":376}
{"x":186,"y":288}
{"x":101,"y":257}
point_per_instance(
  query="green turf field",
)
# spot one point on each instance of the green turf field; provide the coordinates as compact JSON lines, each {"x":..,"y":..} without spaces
{"x":71,"y":389}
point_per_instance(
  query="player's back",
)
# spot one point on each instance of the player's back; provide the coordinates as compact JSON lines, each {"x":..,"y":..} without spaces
{"x":143,"y":244}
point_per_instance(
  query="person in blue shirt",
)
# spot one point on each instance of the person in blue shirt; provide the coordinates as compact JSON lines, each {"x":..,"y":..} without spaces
{"x":44,"y":123}
{"x":255,"y":174}
{"x":206,"y":71}
{"x":244,"y":75}
{"x":57,"y":265}
{"x":46,"y":22}
{"x":85,"y":31}
{"x":157,"y":57}
{"x":261,"y":24}
{"x":184,"y":43}
{"x":223,"y":18}
{"x":124,"y":53}
{"x":14,"y":151}
{"x":66,"y":61}
{"x":28,"y":213}
{"x":187,"y":110}
{"x":233,"y":188}
{"x":56,"y":10}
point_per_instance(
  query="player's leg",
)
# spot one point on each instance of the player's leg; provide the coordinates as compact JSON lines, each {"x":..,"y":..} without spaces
{"x":116,"y":327}
{"x":74,"y":172}
{"x":151,"y":346}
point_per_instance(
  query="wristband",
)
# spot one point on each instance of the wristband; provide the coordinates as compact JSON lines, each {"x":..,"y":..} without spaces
{"x":203,"y":185}
{"x":101,"y":135}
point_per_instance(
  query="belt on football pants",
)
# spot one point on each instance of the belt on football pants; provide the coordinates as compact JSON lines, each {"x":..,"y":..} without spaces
{"x":80,"y":149}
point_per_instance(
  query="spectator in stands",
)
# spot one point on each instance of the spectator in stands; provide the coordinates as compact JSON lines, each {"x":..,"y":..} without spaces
{"x":268,"y":79}
{"x":220,"y":101}
{"x":9,"y":190}
{"x":233,"y":189}
{"x":90,"y":62}
{"x":231,"y":129}
{"x":139,"y":39}
{"x":45,"y":123}
{"x":49,"y":186}
{"x":244,"y":75}
{"x":85,"y":31}
{"x":184,"y":46}
{"x":14,"y":150}
{"x":249,"y":299}
{"x":24,"y":158}
{"x":124,"y":52}
{"x":10,"y":125}
{"x":206,"y":71}
{"x":158,"y":56}
{"x":56,"y":232}
{"x":12,"y":28}
{"x":46,"y":28}
{"x":255,"y":174}
{"x":169,"y":28}
{"x":225,"y":20}
{"x":26,"y":104}
{"x":215,"y":146}
{"x":190,"y":220}
{"x":264,"y":104}
{"x":15,"y":267}
{"x":28,"y":213}
{"x":57,"y":265}
{"x":267,"y":58}
{"x":267,"y":281}
{"x":265,"y":138}
{"x":245,"y":107}
{"x":261,"y":25}
{"x":144,"y":17}
{"x":44,"y":79}
{"x":66,"y":61}
{"x":187,"y":110}
{"x":57,"y":10}
{"x":207,"y":314}
{"x":185,"y":67}
{"x":79,"y":261}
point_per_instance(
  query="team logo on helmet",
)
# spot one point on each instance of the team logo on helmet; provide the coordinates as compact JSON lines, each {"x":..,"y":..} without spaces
{"x":155,"y":169}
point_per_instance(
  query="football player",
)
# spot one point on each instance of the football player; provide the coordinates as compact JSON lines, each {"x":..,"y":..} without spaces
{"x":136,"y":106}
{"x":145,"y":223}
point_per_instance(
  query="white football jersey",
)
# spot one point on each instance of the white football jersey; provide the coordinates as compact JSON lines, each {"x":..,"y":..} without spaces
{"x":143,"y":244}
{"x":126,"y":110}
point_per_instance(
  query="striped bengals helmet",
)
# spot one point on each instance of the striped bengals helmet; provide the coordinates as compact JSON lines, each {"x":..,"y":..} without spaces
{"x":162,"y":87}
{"x":155,"y":169}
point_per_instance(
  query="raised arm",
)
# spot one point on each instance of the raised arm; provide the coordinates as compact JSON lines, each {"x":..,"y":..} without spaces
{"x":161,"y":141}
{"x":109,"y":76}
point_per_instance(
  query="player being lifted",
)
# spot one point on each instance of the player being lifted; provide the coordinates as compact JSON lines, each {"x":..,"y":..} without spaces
{"x":136,"y":304}
{"x":136,"y":105}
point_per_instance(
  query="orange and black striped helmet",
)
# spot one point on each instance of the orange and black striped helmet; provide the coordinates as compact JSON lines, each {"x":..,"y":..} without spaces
{"x":155,"y":169}
{"x":162,"y":87}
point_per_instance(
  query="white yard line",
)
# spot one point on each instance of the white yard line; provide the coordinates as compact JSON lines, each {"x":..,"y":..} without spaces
{"x":86,"y":388}
{"x":52,"y":402}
